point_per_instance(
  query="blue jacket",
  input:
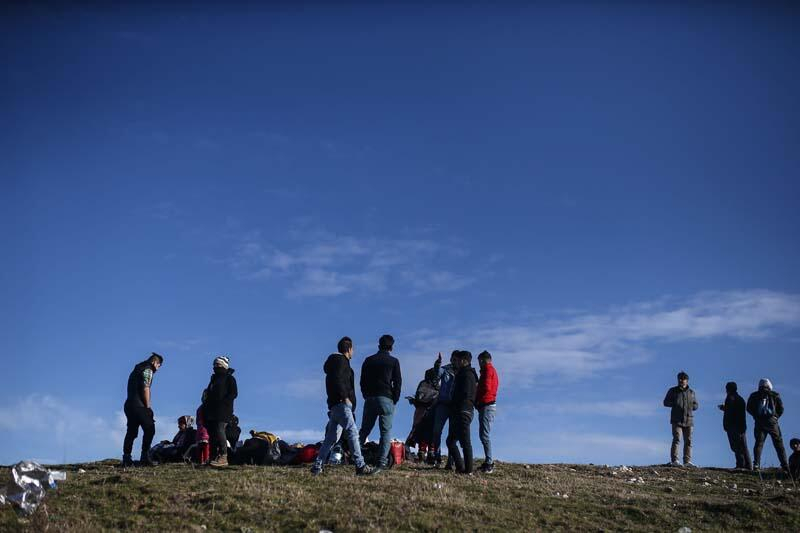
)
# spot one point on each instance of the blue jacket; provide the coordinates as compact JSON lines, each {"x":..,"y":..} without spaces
{"x":446,"y":376}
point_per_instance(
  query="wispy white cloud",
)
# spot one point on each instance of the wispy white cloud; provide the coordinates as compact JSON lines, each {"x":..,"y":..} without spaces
{"x":581,"y":345}
{"x":624,"y":408}
{"x":321,"y":264}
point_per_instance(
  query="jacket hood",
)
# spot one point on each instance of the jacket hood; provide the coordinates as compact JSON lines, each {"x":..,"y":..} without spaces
{"x":765,"y":384}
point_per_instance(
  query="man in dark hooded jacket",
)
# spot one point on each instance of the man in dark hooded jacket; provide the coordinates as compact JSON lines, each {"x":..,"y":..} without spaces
{"x":766,"y":407}
{"x":734,"y":422}
{"x":218,"y":408}
{"x":462,"y":405}
{"x":340,"y":386}
{"x":683,"y":402}
{"x":139,"y":409}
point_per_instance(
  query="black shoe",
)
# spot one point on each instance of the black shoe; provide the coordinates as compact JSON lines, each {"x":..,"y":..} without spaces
{"x":315,"y":471}
{"x":487,"y":468}
{"x":127,"y":462}
{"x":145,"y":460}
{"x":367,"y":470}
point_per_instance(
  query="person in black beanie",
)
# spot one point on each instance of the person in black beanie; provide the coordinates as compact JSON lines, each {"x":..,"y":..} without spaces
{"x":462,"y":405}
{"x":734,"y":422}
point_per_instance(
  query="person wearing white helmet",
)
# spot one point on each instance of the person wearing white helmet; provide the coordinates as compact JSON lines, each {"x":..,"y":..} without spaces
{"x":218,"y":408}
{"x":766,"y":407}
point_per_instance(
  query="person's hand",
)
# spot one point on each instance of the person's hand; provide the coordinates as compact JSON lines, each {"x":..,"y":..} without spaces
{"x":348,"y":403}
{"x":439,"y":359}
{"x":721,"y":407}
{"x":150,"y":412}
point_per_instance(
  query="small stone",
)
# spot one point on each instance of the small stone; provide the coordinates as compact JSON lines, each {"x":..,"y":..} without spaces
{"x":565,"y":496}
{"x":685,"y":529}
{"x":670,"y":489}
{"x":527,"y":467}
{"x":706,"y":484}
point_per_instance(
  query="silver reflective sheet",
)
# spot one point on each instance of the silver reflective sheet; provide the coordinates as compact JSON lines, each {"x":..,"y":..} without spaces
{"x":27,"y":484}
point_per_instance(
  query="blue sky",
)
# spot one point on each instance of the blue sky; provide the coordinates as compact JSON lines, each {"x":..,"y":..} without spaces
{"x":600,"y":196}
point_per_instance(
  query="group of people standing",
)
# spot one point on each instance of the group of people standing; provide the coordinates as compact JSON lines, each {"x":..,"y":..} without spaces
{"x":213,"y":415}
{"x":764,"y":405}
{"x":457,"y":385}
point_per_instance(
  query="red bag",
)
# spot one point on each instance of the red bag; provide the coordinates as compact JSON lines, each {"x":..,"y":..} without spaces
{"x":307,"y":454}
{"x":397,"y":452}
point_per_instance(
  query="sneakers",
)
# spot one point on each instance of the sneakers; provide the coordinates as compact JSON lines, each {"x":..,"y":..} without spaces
{"x":487,"y":468}
{"x":219,"y":462}
{"x":315,"y":471}
{"x":676,"y":464}
{"x":689,"y":464}
{"x":367,"y":470}
{"x":127,"y":461}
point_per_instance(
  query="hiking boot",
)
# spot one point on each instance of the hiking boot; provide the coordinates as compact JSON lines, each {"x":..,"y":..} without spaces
{"x":315,"y":471}
{"x":367,"y":470}
{"x":145,"y":460}
{"x":127,"y":461}
{"x":756,"y":466}
{"x":219,"y":462}
{"x":676,"y":464}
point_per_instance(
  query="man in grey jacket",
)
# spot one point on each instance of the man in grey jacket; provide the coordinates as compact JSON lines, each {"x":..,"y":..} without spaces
{"x":683,"y":402}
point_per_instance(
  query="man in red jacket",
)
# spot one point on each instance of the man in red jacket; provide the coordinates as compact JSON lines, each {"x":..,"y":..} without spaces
{"x":485,"y":398}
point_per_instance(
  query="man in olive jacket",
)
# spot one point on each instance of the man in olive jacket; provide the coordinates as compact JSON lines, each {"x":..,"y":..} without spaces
{"x":734,"y":422}
{"x":683,"y":402}
{"x":766,"y":407}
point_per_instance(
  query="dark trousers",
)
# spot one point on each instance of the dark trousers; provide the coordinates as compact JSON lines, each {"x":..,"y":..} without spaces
{"x":139,"y":416}
{"x":773,"y":431}
{"x":738,"y":443}
{"x":460,"y":423}
{"x":217,"y":438}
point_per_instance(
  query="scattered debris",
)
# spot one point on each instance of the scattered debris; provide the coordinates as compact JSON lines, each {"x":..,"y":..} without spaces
{"x":527,"y":467}
{"x":624,"y":468}
{"x":438,"y":486}
{"x":27,"y":485}
{"x":670,"y":489}
{"x":81,"y":471}
{"x":706,"y":484}
{"x":685,"y":529}
{"x":636,"y":480}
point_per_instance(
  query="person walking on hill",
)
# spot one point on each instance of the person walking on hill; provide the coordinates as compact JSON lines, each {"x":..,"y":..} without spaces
{"x":734,"y":422}
{"x":218,"y":400}
{"x":441,"y":415}
{"x":485,"y":400}
{"x":766,"y":407}
{"x":462,"y":405}
{"x":340,"y":387}
{"x":139,"y":409}
{"x":380,"y":384}
{"x":683,"y":402}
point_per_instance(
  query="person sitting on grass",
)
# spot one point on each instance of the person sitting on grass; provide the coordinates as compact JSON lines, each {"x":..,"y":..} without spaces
{"x":794,"y":459}
{"x":172,"y":451}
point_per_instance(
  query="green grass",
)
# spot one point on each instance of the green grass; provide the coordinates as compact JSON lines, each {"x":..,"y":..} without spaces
{"x":515,"y":497}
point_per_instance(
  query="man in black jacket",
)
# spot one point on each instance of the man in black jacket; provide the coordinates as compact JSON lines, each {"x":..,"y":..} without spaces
{"x":380,"y":385}
{"x":462,"y":404}
{"x":734,"y":422}
{"x":766,"y":407}
{"x":139,"y":409}
{"x":683,"y":403}
{"x":340,"y":386}
{"x":218,"y":408}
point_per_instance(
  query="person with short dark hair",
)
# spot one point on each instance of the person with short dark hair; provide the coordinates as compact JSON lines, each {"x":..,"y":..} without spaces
{"x":218,"y":400}
{"x":139,"y":409}
{"x":462,"y":405}
{"x":380,"y":385}
{"x":340,"y":387}
{"x":683,"y":402}
{"x":734,"y":422}
{"x":794,"y":459}
{"x":766,"y":407}
{"x":441,"y":409}
{"x":485,"y":402}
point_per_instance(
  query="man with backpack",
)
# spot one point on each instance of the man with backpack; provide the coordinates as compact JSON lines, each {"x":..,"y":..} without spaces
{"x":462,"y":405}
{"x":734,"y":422}
{"x":139,"y":409}
{"x":683,"y":402}
{"x":766,"y":407}
{"x":218,"y":400}
{"x":380,"y":385}
{"x":485,"y":400}
{"x":340,"y":387}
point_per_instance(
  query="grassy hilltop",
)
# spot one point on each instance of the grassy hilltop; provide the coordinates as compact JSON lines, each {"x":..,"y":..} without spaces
{"x":515,"y":497}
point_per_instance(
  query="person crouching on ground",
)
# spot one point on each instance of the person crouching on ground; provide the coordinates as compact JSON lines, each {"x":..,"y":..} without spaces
{"x":462,"y":405}
{"x":340,"y":387}
{"x":218,"y":408}
{"x":683,"y":402}
{"x":485,"y":399}
{"x":734,"y":422}
{"x":794,"y":459}
{"x":139,"y":409}
{"x":766,"y":407}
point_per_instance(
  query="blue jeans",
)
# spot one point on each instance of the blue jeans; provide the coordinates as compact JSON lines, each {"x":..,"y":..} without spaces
{"x":485,"y":421}
{"x":381,"y":408}
{"x":340,"y":416}
{"x":440,"y":418}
